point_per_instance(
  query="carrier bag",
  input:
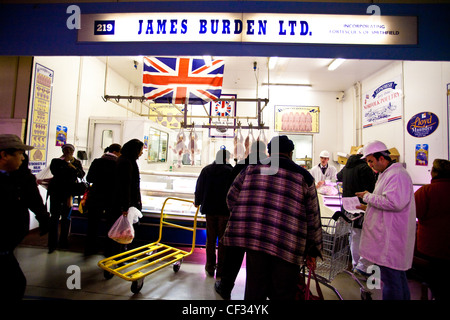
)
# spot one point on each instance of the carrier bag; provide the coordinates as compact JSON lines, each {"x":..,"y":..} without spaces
{"x":303,"y":287}
{"x":122,"y":231}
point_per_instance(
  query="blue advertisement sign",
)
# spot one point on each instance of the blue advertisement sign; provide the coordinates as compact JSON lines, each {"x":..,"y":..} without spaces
{"x":422,"y":124}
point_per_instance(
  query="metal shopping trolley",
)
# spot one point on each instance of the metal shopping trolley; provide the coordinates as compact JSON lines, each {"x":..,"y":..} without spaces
{"x":134,"y":265}
{"x":336,"y":250}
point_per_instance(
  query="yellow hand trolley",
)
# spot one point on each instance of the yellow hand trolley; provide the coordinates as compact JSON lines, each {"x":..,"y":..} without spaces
{"x":134,"y":265}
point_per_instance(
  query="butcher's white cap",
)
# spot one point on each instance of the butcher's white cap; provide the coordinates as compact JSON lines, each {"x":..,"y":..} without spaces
{"x":324,"y":154}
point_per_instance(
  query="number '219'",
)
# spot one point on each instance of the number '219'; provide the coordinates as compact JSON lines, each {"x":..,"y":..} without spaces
{"x":104,"y":27}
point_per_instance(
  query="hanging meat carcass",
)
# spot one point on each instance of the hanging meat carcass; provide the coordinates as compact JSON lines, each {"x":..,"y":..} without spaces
{"x":239,"y":150}
{"x":193,"y":149}
{"x":180,"y":147}
{"x":249,"y":141}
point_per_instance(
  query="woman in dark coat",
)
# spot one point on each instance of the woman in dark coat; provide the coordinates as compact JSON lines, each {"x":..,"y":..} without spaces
{"x":66,"y":170}
{"x":102,"y":177}
{"x":127,"y":191}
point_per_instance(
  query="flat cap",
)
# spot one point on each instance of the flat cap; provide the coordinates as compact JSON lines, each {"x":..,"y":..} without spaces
{"x":11,"y":141}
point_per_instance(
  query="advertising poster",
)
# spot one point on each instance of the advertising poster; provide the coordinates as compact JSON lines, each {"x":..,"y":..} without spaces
{"x":383,"y":103}
{"x":40,"y":117}
{"x":61,"y":135}
{"x":225,"y":111}
{"x":421,"y":154}
{"x":299,"y":119}
{"x":422,"y":124}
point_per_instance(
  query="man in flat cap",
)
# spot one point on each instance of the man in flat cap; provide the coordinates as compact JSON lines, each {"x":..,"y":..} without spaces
{"x":18,"y":193}
{"x":276,"y":219}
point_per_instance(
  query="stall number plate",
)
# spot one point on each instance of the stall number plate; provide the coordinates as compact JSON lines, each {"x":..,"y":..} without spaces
{"x":104,"y":27}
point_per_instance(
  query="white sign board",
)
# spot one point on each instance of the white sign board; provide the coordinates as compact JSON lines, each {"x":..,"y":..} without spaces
{"x":248,"y":27}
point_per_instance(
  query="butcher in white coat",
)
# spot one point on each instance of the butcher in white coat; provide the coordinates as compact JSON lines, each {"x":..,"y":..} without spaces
{"x":323,"y":171}
{"x":389,"y":228}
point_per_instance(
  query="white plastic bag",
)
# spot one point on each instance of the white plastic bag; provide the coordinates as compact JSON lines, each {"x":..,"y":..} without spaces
{"x":122,"y":231}
{"x":134,"y":215}
{"x":44,"y":176}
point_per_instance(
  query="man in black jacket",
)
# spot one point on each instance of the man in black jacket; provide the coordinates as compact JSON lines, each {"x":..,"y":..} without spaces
{"x":210,"y":193}
{"x":15,"y":197}
{"x":357,"y":176}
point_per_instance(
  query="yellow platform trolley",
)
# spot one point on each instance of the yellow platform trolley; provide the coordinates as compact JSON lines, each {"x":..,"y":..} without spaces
{"x":134,"y":265}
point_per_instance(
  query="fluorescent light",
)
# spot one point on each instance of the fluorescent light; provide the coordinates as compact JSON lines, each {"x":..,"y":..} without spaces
{"x":288,"y":84}
{"x":335,"y":64}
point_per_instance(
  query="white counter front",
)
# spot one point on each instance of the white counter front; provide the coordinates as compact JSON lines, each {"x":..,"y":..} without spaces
{"x":329,"y":205}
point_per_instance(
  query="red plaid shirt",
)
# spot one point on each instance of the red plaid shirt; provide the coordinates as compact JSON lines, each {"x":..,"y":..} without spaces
{"x":277,"y":214}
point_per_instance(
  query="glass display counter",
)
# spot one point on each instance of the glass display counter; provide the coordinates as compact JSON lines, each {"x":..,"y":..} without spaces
{"x":157,"y":186}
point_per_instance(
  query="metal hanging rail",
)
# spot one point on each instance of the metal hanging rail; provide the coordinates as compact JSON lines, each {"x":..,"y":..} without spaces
{"x":260,"y":124}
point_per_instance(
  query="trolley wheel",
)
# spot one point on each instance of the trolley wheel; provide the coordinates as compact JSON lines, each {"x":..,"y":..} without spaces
{"x":108,"y":275}
{"x":137,"y":285}
{"x":366,"y":295}
{"x":177,"y":266}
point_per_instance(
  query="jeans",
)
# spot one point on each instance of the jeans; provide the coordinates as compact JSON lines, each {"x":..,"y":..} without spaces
{"x":395,"y":284}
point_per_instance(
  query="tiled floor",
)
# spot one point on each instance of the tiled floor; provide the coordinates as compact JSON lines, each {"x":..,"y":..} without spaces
{"x":49,"y":276}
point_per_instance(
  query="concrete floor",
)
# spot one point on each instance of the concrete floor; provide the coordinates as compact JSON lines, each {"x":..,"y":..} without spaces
{"x":52,"y":276}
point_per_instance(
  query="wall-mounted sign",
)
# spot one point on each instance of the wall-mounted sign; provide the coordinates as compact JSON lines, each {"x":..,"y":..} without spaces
{"x":61,"y":135}
{"x":422,"y":124}
{"x":299,"y":119}
{"x":40,"y":116}
{"x":225,"y":111}
{"x":248,"y":27}
{"x":383,"y":103}
{"x":421,"y":154}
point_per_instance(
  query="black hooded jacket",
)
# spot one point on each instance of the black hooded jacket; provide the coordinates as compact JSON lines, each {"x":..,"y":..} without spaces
{"x":212,"y":188}
{"x":356,"y":176}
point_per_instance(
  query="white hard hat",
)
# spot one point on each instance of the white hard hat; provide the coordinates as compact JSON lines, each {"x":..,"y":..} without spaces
{"x":324,"y":154}
{"x":373,"y":147}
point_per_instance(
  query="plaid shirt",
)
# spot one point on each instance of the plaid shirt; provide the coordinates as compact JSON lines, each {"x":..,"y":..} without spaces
{"x":277,"y":214}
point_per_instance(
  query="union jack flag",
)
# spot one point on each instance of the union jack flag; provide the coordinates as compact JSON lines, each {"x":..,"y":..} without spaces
{"x":182,"y":80}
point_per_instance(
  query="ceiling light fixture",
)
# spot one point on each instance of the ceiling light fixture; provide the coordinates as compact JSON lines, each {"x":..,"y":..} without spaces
{"x":335,"y":64}
{"x":306,"y":85}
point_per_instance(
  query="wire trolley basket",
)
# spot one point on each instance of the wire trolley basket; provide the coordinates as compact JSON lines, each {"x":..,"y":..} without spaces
{"x":336,"y":254}
{"x":336,"y":248}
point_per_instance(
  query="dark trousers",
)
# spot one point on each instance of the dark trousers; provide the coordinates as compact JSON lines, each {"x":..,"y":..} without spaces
{"x":59,"y":208}
{"x":95,"y":213}
{"x":270,"y":277}
{"x":215,"y":228}
{"x":428,"y":271}
{"x":12,"y":281}
{"x":231,"y":267}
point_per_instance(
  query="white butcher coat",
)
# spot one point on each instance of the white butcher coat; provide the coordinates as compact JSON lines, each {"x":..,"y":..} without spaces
{"x":389,"y":229}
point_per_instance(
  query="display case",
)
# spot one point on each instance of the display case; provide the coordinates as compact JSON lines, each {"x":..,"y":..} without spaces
{"x":157,"y":186}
